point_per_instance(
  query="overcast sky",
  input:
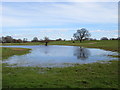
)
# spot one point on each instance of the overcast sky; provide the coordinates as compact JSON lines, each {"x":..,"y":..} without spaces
{"x":59,"y":19}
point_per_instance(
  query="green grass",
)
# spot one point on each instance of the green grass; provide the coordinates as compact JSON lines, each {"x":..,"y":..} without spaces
{"x":94,"y":75}
{"x":7,"y":52}
{"x":111,"y":45}
{"x":32,"y":43}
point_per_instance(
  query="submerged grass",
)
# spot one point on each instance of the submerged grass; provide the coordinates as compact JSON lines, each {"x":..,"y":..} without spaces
{"x":94,"y":75}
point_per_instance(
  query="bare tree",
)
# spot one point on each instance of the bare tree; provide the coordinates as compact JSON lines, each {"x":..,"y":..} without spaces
{"x":24,"y":39}
{"x":3,"y":40}
{"x":8,"y":39}
{"x":81,"y":34}
{"x":59,"y":39}
{"x":104,"y":38}
{"x":19,"y":41}
{"x":46,"y":40}
{"x":35,"y":39}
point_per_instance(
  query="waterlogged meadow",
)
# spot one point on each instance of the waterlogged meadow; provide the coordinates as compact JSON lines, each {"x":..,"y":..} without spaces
{"x":93,"y":75}
{"x":56,"y":44}
{"x":7,"y":52}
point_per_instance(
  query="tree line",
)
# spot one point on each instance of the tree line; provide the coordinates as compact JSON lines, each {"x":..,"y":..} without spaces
{"x":83,"y":34}
{"x":80,"y":35}
{"x":10,"y":39}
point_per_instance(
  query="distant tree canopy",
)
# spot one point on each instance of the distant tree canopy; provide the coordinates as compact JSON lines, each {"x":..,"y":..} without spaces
{"x":104,"y":38}
{"x":35,"y":39}
{"x":46,"y":39}
{"x":9,"y":39}
{"x":59,"y":39}
{"x":17,"y":41}
{"x":113,"y":39}
{"x":118,"y":38}
{"x":81,"y":34}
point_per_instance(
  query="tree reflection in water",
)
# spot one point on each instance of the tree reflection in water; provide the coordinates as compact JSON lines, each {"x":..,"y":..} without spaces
{"x":81,"y":53}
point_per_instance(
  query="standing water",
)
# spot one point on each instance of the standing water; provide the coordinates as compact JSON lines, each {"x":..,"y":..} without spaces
{"x":58,"y":56}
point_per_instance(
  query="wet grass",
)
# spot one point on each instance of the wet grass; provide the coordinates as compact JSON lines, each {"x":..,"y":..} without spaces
{"x":94,"y":75}
{"x":7,"y":52}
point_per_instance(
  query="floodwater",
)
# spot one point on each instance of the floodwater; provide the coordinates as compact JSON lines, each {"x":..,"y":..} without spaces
{"x":58,"y":56}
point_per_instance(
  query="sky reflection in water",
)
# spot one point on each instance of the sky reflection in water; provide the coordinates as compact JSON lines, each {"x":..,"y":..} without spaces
{"x":58,"y":56}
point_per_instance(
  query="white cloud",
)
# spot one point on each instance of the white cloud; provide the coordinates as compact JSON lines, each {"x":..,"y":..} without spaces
{"x":11,"y":21}
{"x":0,"y":18}
{"x":97,"y":31}
{"x":57,"y":19}
{"x":105,"y":31}
{"x":42,"y":14}
{"x":115,"y":35}
{"x":45,"y":29}
{"x":52,"y":33}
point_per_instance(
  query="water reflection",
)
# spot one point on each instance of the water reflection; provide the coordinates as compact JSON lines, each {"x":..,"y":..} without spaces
{"x":58,"y":56}
{"x":46,"y":51}
{"x":81,"y":53}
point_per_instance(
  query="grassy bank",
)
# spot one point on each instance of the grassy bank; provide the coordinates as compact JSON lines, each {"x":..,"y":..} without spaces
{"x":7,"y":52}
{"x":111,"y":45}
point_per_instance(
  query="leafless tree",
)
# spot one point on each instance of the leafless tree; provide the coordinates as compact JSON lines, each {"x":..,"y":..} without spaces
{"x":24,"y":40}
{"x":8,"y":39}
{"x":81,"y":34}
{"x":35,"y":39}
{"x":104,"y":38}
{"x":46,"y":40}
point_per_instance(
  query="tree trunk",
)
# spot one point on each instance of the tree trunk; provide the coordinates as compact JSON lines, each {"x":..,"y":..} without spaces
{"x":46,"y":43}
{"x":80,"y":40}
